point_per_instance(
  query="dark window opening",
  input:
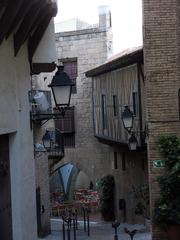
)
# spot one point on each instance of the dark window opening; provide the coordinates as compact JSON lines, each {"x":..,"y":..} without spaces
{"x":135,"y":102}
{"x":104,"y":112}
{"x":179,"y":102}
{"x":70,"y":67}
{"x":110,"y":20}
{"x":66,"y":126}
{"x":115,"y":161}
{"x":123,"y":161}
{"x":143,"y":164}
{"x":115,"y":105}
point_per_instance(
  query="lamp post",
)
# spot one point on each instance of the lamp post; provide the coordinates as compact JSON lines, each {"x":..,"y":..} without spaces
{"x":127,"y":119}
{"x":61,"y":87}
{"x":47,"y":140}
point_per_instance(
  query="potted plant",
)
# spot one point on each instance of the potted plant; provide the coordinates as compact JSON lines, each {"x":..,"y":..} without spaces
{"x":141,"y":195}
{"x":106,"y":188}
{"x":167,"y":207}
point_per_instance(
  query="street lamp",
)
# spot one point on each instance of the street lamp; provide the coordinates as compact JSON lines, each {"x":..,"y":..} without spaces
{"x":127,"y":118}
{"x":61,"y":87}
{"x":47,"y":140}
{"x":132,"y":143}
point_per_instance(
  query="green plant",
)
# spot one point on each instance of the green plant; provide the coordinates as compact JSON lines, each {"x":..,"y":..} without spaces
{"x":167,"y":207}
{"x":106,"y":188}
{"x":141,"y":194}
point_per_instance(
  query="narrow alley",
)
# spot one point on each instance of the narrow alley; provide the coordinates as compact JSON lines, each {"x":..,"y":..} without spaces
{"x":100,"y":230}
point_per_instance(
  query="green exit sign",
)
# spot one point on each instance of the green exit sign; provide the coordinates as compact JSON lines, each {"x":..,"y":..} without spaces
{"x":159,"y":163}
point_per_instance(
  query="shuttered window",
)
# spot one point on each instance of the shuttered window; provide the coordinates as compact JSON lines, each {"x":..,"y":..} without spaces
{"x":135,"y":103}
{"x":104,"y":112}
{"x":70,"y":67}
{"x":66,"y":126}
{"x":115,"y":105}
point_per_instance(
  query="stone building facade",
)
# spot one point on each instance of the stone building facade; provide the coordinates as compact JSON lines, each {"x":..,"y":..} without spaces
{"x":88,"y":48}
{"x":161,"y":61}
{"x":116,"y":84}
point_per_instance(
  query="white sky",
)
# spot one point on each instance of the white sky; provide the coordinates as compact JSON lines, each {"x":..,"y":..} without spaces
{"x":126,"y":18}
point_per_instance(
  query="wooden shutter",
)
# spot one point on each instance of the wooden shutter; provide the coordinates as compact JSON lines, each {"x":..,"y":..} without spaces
{"x":66,"y":124}
{"x":71,"y":69}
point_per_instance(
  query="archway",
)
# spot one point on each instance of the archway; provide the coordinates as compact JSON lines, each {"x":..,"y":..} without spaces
{"x":71,"y":186}
{"x":67,"y":179}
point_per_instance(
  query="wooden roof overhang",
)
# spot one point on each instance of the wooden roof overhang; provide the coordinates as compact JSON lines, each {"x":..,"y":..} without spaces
{"x":27,"y":20}
{"x":117,"y":63}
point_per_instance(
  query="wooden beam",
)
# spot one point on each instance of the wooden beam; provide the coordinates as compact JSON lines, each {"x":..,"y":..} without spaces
{"x":2,"y":10}
{"x":25,"y":7}
{"x":44,"y":11}
{"x":24,"y":29}
{"x":8,"y":17}
{"x":36,"y":37}
{"x":39,"y":32}
{"x":37,"y":68}
{"x":3,"y":6}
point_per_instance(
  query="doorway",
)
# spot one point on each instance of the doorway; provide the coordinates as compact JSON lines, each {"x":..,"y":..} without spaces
{"x":5,"y":190}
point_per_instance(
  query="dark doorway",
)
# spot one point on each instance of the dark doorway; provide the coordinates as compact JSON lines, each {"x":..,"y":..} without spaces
{"x":38,"y":210}
{"x":5,"y":190}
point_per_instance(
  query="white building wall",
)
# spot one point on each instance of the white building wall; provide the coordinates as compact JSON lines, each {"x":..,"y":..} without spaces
{"x":15,"y":120}
{"x":46,"y":51}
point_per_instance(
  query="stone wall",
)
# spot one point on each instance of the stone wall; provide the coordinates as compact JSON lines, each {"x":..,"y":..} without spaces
{"x":162,"y":82}
{"x":90,"y":48}
{"x":131,"y":172}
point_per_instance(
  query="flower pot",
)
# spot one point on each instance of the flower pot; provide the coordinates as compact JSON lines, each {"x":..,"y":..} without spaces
{"x":173,"y":232}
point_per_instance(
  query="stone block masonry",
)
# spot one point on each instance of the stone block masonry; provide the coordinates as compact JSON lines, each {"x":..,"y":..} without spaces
{"x":90,"y":48}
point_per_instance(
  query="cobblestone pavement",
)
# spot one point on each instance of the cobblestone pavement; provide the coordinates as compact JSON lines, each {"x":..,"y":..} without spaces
{"x":104,"y":231}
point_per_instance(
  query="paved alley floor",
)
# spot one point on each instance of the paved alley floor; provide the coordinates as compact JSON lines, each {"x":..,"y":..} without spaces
{"x":104,"y":231}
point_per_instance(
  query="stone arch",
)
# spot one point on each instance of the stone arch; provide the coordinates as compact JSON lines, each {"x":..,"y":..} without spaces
{"x":67,"y":178}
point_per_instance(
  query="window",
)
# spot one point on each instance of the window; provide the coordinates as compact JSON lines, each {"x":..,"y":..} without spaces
{"x":135,"y":102}
{"x":70,"y":67}
{"x":123,"y":159}
{"x":110,"y":21}
{"x":115,"y":105}
{"x":115,"y":161}
{"x":66,"y":126}
{"x":104,"y":112}
{"x":179,"y":102}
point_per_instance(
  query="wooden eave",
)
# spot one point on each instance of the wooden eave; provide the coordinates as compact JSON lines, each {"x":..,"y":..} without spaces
{"x":120,"y":144}
{"x":37,"y":68}
{"x":27,"y":20}
{"x":119,"y":62}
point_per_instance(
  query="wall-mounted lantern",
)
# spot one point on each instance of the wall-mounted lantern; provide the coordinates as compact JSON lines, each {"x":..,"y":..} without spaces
{"x":127,"y":119}
{"x":53,"y":142}
{"x":132,"y":143}
{"x":61,"y":87}
{"x":47,"y":140}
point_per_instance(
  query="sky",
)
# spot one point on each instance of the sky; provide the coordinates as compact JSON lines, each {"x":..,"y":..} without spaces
{"x":126,"y":18}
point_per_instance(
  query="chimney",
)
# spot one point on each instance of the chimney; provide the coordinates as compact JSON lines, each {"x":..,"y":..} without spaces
{"x":104,"y":17}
